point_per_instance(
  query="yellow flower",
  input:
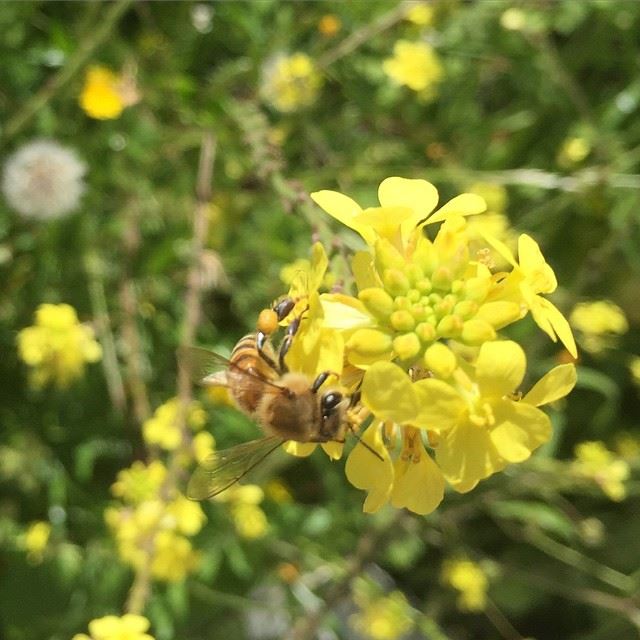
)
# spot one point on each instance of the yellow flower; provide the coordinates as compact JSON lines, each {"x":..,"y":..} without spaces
{"x":290,"y":82}
{"x":101,"y":96}
{"x":163,"y":428}
{"x":278,"y":491}
{"x":140,"y":482}
{"x":469,"y":580}
{"x":420,"y":13}
{"x":127,"y":627}
{"x":380,"y":617}
{"x":530,"y":277}
{"x":329,"y":25}
{"x":634,"y":368}
{"x":57,"y":346}
{"x":599,"y":322}
{"x":35,"y":541}
{"x":573,"y":151}
{"x":513,"y":19}
{"x":249,"y":520}
{"x":416,"y":65}
{"x":595,"y":462}
{"x":173,"y":557}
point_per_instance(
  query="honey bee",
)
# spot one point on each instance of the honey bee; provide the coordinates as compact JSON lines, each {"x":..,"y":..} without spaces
{"x":287,"y":405}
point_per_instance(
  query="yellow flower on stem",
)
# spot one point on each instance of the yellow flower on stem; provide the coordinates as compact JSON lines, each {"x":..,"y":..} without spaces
{"x":35,"y":541}
{"x":290,"y":82}
{"x":468,"y":578}
{"x":595,"y":462}
{"x":101,"y":96}
{"x":415,"y":65}
{"x":599,"y":322}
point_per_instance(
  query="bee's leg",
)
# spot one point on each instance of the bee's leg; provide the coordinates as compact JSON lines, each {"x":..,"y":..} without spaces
{"x":321,"y":379}
{"x":261,"y":341}
{"x":292,"y":329}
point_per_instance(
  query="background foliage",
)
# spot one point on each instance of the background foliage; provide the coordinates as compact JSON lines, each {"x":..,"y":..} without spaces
{"x":539,"y":98}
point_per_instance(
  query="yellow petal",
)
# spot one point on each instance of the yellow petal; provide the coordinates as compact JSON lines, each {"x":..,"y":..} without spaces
{"x":363,"y":271}
{"x":364,"y":470}
{"x":500,"y":247}
{"x":385,"y":221}
{"x":539,"y":274}
{"x":500,"y":368}
{"x":560,"y":326}
{"x":439,"y":405}
{"x":554,"y":385}
{"x":333,"y":449}
{"x":319,"y":264}
{"x":418,"y":485}
{"x":388,"y":392}
{"x":299,"y":449}
{"x":511,"y":442}
{"x":534,"y":423}
{"x":466,"y":204}
{"x":343,"y":209}
{"x":499,"y":313}
{"x":419,"y":195}
{"x":466,"y":455}
{"x":344,"y":312}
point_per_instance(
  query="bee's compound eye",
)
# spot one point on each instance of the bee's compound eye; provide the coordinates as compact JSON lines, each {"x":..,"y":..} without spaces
{"x":330,"y":401}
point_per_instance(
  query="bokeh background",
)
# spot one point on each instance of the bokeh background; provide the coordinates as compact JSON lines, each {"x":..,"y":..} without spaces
{"x":156,"y":163}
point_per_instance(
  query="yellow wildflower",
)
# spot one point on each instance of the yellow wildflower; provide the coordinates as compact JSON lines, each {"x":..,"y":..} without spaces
{"x":420,"y":13}
{"x":415,"y":65}
{"x":101,"y":96}
{"x":173,"y":557}
{"x":204,"y":445}
{"x":163,"y":428}
{"x":329,"y":25}
{"x":634,"y":368}
{"x":127,"y":627}
{"x":35,"y":541}
{"x":379,"y":616}
{"x":278,"y":491}
{"x":249,"y":519}
{"x":573,"y":151}
{"x":469,"y":580}
{"x":140,"y":482}
{"x":290,"y":82}
{"x":513,"y":19}
{"x":595,"y":462}
{"x":57,"y":346}
{"x":627,"y":445}
{"x":599,"y":322}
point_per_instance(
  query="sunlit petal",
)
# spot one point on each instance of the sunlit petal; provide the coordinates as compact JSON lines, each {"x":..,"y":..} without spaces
{"x":554,"y":385}
{"x":500,"y":368}
{"x":466,"y":204}
{"x":388,"y":392}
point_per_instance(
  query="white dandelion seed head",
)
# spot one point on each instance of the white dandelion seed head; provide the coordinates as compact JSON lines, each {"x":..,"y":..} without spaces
{"x":43,"y":180}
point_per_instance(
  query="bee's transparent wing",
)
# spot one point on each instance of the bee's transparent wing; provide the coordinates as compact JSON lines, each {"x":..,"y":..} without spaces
{"x":224,"y":468}
{"x":204,"y":366}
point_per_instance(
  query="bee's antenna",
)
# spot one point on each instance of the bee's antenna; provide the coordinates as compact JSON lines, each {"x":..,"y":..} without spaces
{"x":365,"y":445}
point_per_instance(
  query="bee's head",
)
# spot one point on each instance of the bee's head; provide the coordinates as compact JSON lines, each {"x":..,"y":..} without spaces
{"x":332,"y":408}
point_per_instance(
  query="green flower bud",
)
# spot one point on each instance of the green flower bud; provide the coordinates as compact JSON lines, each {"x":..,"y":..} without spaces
{"x":402,"y":320}
{"x":425,"y":256}
{"x":476,"y":331}
{"x":377,"y":301}
{"x":413,"y":295}
{"x":395,"y":282}
{"x":456,"y":286}
{"x":402,"y":302}
{"x":450,"y":326}
{"x":442,"y":278}
{"x":445,"y":306}
{"x":419,"y":312}
{"x":407,"y":346}
{"x":414,"y":273}
{"x":426,"y":332}
{"x":387,"y":257}
{"x":424,"y":285}
{"x":440,"y":359}
{"x":369,"y":342}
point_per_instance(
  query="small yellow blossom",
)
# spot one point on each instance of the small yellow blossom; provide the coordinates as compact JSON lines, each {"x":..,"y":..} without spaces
{"x":57,"y":347}
{"x":599,"y":322}
{"x":278,"y":491}
{"x":380,"y":616}
{"x":415,"y":65}
{"x":627,"y":445}
{"x":204,"y":446}
{"x":573,"y":151}
{"x":329,"y":25}
{"x":101,"y":96}
{"x":595,"y":462}
{"x":249,"y":519}
{"x":513,"y":19}
{"x":140,"y":482}
{"x":173,"y":557}
{"x":35,"y":541}
{"x":163,"y":428}
{"x":127,"y":627}
{"x":290,"y":82}
{"x":469,"y":580}
{"x":420,"y":13}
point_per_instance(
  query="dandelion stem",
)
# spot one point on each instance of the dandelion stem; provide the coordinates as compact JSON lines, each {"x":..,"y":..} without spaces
{"x":94,"y":37}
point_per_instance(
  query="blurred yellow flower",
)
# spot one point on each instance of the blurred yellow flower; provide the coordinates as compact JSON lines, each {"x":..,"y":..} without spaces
{"x":416,"y":65}
{"x":513,"y":19}
{"x":127,"y":627}
{"x":627,"y":445}
{"x":35,"y":541}
{"x":249,"y":519}
{"x":420,"y":13}
{"x":573,"y":151}
{"x":329,"y":25}
{"x":469,"y":580}
{"x":634,"y":368}
{"x":139,"y":482}
{"x":101,"y":96}
{"x":599,"y":322}
{"x":380,"y":616}
{"x":278,"y":491}
{"x":57,"y":346}
{"x":290,"y":82}
{"x":163,"y":428}
{"x":173,"y":557}
{"x":595,"y":462}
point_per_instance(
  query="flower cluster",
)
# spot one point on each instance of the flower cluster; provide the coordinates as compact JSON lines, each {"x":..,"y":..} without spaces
{"x":415,"y":65}
{"x":43,"y":180}
{"x":57,"y":346}
{"x":599,"y":323}
{"x":290,"y":82}
{"x":249,"y":519}
{"x":596,"y":463}
{"x":127,"y":627}
{"x":419,"y":339}
{"x":154,"y":523}
{"x":469,"y":579}
{"x":35,"y":541}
